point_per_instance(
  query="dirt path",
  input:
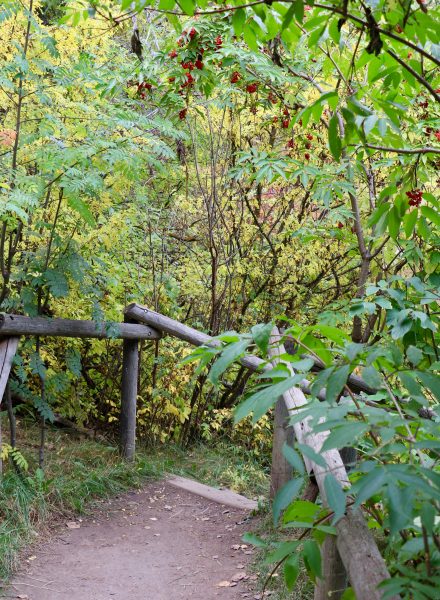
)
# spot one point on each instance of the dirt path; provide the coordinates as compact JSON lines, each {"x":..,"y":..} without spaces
{"x":159,"y":543}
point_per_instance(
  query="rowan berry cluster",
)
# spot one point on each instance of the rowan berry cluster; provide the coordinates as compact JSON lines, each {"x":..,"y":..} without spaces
{"x":415,"y":197}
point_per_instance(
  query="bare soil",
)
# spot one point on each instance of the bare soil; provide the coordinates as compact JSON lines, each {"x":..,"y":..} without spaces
{"x":158,"y":543}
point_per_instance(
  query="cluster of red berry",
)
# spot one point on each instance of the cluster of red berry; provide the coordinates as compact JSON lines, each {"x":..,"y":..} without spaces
{"x":143,"y":86}
{"x":415,"y":197}
{"x":192,"y":58}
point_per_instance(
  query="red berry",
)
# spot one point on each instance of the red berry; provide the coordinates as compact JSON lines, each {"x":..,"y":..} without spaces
{"x":272,"y":98}
{"x":180,"y":41}
{"x":415,"y":197}
{"x":309,"y":136}
{"x":286,"y":112}
{"x":307,"y":156}
{"x":171,"y":79}
{"x":340,"y":225}
{"x":308,"y":145}
{"x":291,"y":144}
{"x":398,"y":29}
{"x":190,"y":78}
{"x":192,"y":33}
{"x":285,"y":123}
{"x":254,"y":110}
{"x":437,"y":134}
{"x":173,"y":54}
{"x":235,"y":77}
{"x":182,"y":114}
{"x":218,"y":41}
{"x":300,"y":122}
{"x":275,"y":120}
{"x":251,"y":88}
{"x":198,"y":64}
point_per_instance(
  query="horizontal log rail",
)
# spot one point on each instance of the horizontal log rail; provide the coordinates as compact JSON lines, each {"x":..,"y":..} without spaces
{"x":362,"y":560}
{"x":137,"y":312}
{"x":17,"y":325}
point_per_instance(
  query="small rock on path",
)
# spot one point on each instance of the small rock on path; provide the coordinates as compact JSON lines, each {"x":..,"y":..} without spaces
{"x":157,"y":543}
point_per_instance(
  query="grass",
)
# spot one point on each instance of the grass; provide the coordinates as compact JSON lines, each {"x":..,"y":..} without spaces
{"x":75,"y":473}
{"x":221,"y":465}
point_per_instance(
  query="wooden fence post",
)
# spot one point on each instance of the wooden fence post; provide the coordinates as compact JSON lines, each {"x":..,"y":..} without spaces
{"x":281,"y":470}
{"x":129,"y":390}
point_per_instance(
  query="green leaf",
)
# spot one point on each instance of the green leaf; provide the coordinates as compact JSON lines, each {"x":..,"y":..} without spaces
{"x":76,"y":203}
{"x":261,"y":334}
{"x":399,"y":504}
{"x":291,"y":571}
{"x":312,"y":558}
{"x":188,"y":6}
{"x":280,"y":553}
{"x":431,"y":215}
{"x":334,"y":139}
{"x":394,"y":221}
{"x":251,"y":538}
{"x":336,"y":383}
{"x":345,"y":435}
{"x":409,"y":222}
{"x":312,"y":455}
{"x":301,"y":510}
{"x":372,"y":377}
{"x":371,"y":484}
{"x":285,"y":496}
{"x":293,"y":458}
{"x":430,"y":381}
{"x":335,"y":497}
{"x":229,"y":355}
{"x":238,"y":20}
{"x":415,"y":355}
{"x":264,"y":399}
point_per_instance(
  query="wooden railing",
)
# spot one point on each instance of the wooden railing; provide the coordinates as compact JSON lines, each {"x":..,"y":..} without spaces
{"x":354,"y":544}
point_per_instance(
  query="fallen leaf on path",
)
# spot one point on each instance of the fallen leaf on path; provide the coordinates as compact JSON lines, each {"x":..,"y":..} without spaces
{"x":224,"y":584}
{"x":23,"y":596}
{"x":72,"y":525}
{"x":153,"y":519}
{"x":239,"y":576}
{"x":235,"y":547}
{"x":33,"y":557}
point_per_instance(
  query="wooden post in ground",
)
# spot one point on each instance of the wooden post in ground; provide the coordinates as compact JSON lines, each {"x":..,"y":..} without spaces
{"x":129,"y":390}
{"x":334,"y":575}
{"x":281,"y":470}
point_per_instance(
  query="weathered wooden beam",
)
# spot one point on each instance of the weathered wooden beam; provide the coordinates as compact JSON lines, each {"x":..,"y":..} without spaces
{"x":129,"y":390}
{"x":16,"y":325}
{"x":8,"y":348}
{"x":281,"y":471}
{"x":357,"y":548}
{"x":141,"y":313}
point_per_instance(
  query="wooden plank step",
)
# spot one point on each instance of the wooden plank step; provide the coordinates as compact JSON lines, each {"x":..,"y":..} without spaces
{"x":225,"y":496}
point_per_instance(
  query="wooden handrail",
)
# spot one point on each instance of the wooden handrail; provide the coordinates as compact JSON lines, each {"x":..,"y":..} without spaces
{"x":16,"y":325}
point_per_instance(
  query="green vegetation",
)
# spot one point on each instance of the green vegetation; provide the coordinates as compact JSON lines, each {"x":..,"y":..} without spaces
{"x":235,"y":167}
